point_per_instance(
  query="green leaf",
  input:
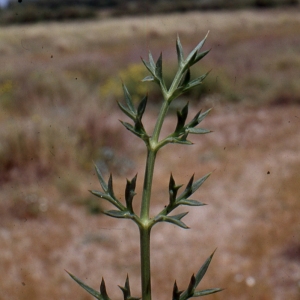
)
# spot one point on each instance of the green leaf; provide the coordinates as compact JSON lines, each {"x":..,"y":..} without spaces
{"x":181,"y":141}
{"x":203,"y":115}
{"x":179,"y":51}
{"x":186,"y":78}
{"x":131,"y":128}
{"x":193,"y":55}
{"x":118,"y":214}
{"x":158,"y":68}
{"x":173,"y":189}
{"x":148,"y":66}
{"x":126,"y":290}
{"x":200,"y":274}
{"x":191,"y":187}
{"x":103,"y":290}
{"x":190,"y":202}
{"x":191,"y":288}
{"x":109,"y":198}
{"x":110,"y":189}
{"x":128,"y":99}
{"x":130,"y":193}
{"x":200,"y":56}
{"x":181,"y":118}
{"x":126,"y":111}
{"x":194,"y":122}
{"x":195,"y":82}
{"x":101,"y":179}
{"x":198,"y":130}
{"x":101,"y":195}
{"x":199,"y":182}
{"x":206,"y":292}
{"x":176,"y":220}
{"x":188,"y":189}
{"x":141,"y":107}
{"x":176,"y":292}
{"x":91,"y":291}
{"x":151,"y":61}
{"x":199,"y":117}
{"x":196,"y":280}
{"x":148,"y":78}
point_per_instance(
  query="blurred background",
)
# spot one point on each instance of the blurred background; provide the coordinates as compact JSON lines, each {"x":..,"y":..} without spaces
{"x":61,"y":68}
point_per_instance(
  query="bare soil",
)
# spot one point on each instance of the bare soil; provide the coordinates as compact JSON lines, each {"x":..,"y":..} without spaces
{"x":252,"y":217}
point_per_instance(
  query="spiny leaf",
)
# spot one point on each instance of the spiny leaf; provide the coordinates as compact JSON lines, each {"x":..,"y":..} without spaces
{"x":203,"y":115}
{"x":200,"y":274}
{"x":127,"y":285}
{"x":117,"y":214}
{"x":100,"y":194}
{"x":110,"y":199}
{"x":126,"y":111}
{"x":200,"y":56}
{"x":128,"y":99}
{"x":148,"y":78}
{"x":191,"y":56}
{"x":149,"y":67}
{"x":195,"y":82}
{"x":192,"y":187}
{"x":188,"y":188}
{"x":186,"y":78}
{"x":190,"y":62}
{"x":103,"y":290}
{"x":190,"y":202}
{"x":179,"y":51}
{"x":151,"y":61}
{"x":194,"y":122}
{"x":173,"y":189}
{"x":206,"y":292}
{"x":199,"y":182}
{"x":110,"y":189}
{"x":90,"y":290}
{"x":131,"y":128}
{"x":126,"y":290}
{"x":158,"y":68}
{"x":196,"y":280}
{"x":176,"y":220}
{"x":198,"y":130}
{"x":139,"y":128}
{"x":176,"y":292}
{"x":130,"y":193}
{"x":199,"y":117}
{"x":181,"y":118}
{"x":141,"y":108}
{"x":101,"y":179}
{"x":191,"y":288}
{"x":181,"y":141}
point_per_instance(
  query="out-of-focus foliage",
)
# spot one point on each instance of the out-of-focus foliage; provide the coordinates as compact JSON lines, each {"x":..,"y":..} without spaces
{"x":45,"y":10}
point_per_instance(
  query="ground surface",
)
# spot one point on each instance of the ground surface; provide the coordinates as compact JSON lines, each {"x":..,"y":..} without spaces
{"x":252,"y":217}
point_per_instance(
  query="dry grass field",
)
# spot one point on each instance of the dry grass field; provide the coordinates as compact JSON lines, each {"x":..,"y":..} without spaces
{"x":57,"y":117}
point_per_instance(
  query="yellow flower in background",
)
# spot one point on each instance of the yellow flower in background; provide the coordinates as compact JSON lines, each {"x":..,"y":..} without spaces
{"x":6,"y":87}
{"x":132,"y":77}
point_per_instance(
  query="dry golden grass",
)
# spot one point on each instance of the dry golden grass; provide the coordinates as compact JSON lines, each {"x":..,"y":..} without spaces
{"x":253,"y":194}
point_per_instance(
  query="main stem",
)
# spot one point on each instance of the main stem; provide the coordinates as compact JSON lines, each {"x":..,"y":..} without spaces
{"x":145,"y":226}
{"x":145,"y":262}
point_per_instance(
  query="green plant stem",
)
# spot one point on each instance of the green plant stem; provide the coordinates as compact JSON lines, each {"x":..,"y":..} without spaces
{"x":145,"y":226}
{"x":151,"y":155}
{"x":159,"y":123}
{"x":145,"y":262}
